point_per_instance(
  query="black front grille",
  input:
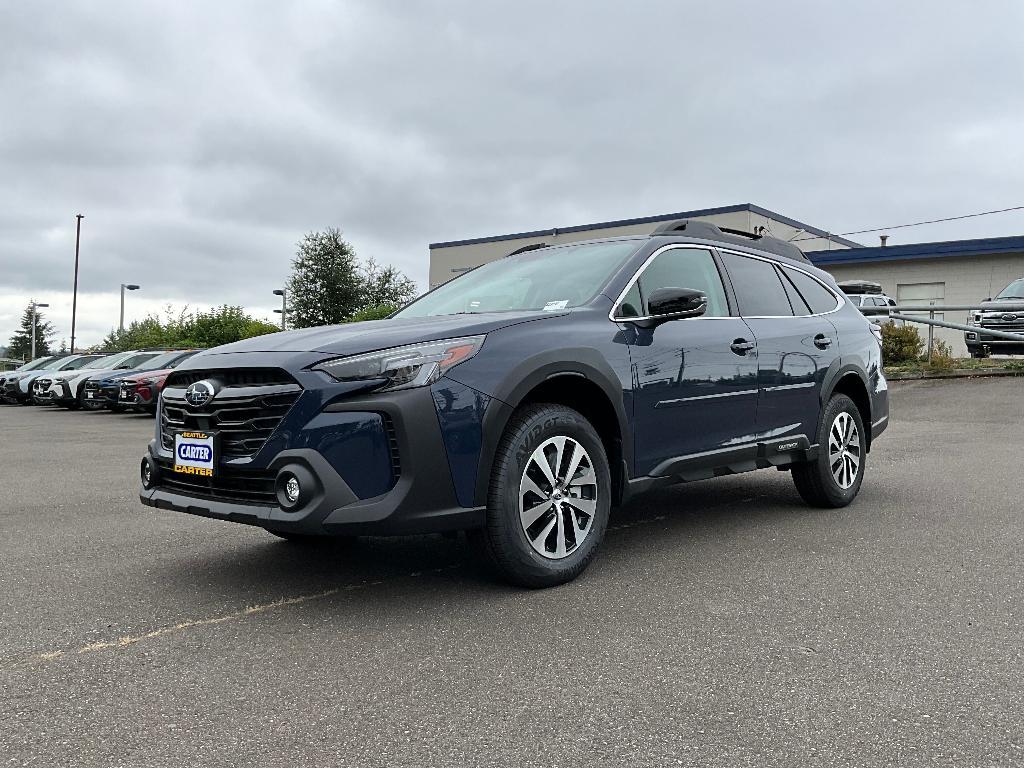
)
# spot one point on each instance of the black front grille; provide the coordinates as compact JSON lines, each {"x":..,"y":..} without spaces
{"x":232,"y":377}
{"x":244,"y":412}
{"x":228,"y":484}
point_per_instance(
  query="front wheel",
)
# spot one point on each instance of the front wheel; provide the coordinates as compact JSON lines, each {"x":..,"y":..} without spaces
{"x":549,"y":498}
{"x":833,"y":479}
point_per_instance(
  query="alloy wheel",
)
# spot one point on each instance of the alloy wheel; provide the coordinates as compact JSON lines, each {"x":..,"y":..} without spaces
{"x":844,"y":450}
{"x":558,"y":497}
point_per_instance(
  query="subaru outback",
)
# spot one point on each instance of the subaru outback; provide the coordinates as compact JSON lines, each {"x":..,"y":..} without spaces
{"x":526,"y":398}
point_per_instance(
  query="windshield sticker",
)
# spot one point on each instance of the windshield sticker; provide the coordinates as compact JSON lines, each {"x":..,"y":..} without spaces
{"x":554,"y":306}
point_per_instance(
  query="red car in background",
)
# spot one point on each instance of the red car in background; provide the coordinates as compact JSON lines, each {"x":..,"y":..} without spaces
{"x":140,"y":391}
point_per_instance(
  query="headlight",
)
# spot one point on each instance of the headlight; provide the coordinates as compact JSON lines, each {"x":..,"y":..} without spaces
{"x":142,"y":382}
{"x":404,"y":367}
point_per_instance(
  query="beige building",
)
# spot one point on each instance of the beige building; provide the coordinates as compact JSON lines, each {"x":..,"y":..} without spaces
{"x":451,"y":259}
{"x":955,"y":272}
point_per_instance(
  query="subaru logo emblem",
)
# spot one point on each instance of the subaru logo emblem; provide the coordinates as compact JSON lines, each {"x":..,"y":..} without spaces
{"x":1009,"y":318}
{"x":199,"y":394}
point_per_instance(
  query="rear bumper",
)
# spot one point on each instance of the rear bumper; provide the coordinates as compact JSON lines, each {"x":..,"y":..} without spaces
{"x":421,"y":499}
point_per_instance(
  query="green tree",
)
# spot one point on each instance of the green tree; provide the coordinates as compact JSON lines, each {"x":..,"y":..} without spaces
{"x":20,"y":345}
{"x":325,"y":286}
{"x":329,"y":285}
{"x":384,"y":286}
{"x":219,"y":325}
{"x":378,"y":312}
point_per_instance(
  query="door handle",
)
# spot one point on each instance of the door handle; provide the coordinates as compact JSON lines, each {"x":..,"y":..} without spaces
{"x":821,"y":341}
{"x":741,"y":346}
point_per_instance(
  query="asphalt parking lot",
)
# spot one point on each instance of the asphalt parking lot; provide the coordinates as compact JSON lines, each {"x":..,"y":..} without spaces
{"x":725,"y":624}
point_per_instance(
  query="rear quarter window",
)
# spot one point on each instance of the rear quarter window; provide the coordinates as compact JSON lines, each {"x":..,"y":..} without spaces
{"x":817,"y":296}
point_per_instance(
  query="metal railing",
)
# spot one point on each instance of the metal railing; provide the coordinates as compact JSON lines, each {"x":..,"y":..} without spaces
{"x":897,"y":313}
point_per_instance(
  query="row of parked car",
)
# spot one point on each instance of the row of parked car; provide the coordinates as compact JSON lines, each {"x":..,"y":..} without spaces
{"x":122,"y":381}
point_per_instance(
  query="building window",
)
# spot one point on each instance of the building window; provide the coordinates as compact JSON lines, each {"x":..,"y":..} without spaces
{"x":921,"y":293}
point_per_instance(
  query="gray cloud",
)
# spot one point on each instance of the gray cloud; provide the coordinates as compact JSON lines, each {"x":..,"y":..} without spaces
{"x":201,"y":140}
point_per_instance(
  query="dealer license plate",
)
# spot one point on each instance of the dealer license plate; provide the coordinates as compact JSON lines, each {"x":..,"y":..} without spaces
{"x":195,"y":453}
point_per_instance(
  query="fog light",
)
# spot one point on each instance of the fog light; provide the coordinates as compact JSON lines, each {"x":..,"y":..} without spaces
{"x":146,"y":473}
{"x":292,"y":490}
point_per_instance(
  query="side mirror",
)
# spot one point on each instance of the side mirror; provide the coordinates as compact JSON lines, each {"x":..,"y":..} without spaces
{"x":675,"y":303}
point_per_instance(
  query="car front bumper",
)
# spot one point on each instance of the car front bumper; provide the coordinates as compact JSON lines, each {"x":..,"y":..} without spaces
{"x":421,"y":498}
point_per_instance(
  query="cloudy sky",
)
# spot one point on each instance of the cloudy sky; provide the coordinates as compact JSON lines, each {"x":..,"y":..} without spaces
{"x":201,"y":140}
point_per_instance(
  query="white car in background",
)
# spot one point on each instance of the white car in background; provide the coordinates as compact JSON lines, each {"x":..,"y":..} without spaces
{"x":38,"y":385}
{"x":9,"y":380}
{"x":66,"y":389}
{"x":869,"y":299}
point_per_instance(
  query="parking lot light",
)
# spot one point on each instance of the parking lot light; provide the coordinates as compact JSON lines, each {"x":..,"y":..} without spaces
{"x":125,"y":287}
{"x":283,"y":311}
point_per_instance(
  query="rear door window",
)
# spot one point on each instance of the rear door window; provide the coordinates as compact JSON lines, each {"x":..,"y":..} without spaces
{"x":758,"y":287}
{"x":819,"y":298}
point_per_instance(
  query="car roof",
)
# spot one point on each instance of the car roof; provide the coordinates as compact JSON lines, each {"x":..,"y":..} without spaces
{"x":703,"y":233}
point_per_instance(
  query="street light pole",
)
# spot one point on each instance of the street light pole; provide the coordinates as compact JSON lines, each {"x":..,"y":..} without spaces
{"x":74,"y":300}
{"x":35,"y":315}
{"x":125,"y":287}
{"x":283,"y":293}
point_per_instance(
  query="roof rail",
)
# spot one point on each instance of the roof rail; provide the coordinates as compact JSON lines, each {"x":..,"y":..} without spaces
{"x":525,"y":248}
{"x":708,"y":231}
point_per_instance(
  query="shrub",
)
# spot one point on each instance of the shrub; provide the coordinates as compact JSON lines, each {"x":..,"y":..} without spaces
{"x":378,"y":312}
{"x":942,"y":356}
{"x":900,"y":344}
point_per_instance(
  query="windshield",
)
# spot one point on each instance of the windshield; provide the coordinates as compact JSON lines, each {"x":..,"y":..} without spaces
{"x":75,"y":364}
{"x":110,"y":361}
{"x":165,"y":360}
{"x":547,"y":279}
{"x":1014,"y":290}
{"x":55,"y":363}
{"x":135,"y":361}
{"x":36,"y":364}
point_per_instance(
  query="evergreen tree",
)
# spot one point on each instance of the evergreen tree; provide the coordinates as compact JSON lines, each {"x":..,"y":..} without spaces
{"x":328,"y":285}
{"x":325,"y":286}
{"x":20,"y":345}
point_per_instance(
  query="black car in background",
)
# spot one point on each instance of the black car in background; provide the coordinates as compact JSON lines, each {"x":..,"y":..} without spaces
{"x":981,"y":344}
{"x":524,"y":399}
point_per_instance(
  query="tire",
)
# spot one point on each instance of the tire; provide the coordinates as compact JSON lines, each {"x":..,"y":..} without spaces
{"x":534,"y":545}
{"x":815,"y":480}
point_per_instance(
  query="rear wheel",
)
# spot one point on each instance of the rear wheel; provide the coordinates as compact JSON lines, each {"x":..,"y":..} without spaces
{"x":833,"y":479}
{"x":549,"y":497}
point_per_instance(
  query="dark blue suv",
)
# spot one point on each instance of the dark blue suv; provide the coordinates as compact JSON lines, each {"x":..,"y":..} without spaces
{"x":523,"y":400}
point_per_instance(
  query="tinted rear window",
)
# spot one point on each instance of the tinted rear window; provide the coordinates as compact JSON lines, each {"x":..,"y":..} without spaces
{"x":818,"y":298}
{"x":758,"y":287}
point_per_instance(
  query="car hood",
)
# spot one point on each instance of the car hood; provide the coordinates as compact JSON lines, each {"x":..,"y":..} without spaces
{"x":116,"y":375}
{"x":371,"y":335}
{"x":154,"y":374}
{"x":89,"y":374}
